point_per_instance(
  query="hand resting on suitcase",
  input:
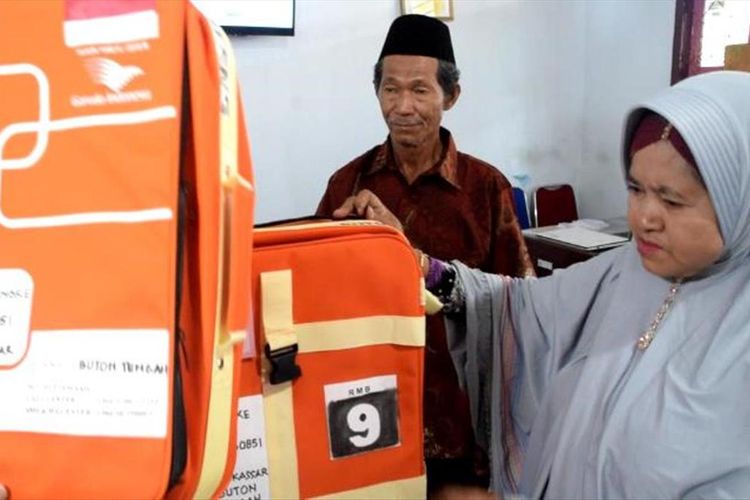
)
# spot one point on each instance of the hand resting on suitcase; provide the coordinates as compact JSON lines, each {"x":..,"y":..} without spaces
{"x":366,"y":204}
{"x":3,"y":493}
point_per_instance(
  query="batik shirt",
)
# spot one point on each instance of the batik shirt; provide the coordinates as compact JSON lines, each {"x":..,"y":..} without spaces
{"x":461,"y":209}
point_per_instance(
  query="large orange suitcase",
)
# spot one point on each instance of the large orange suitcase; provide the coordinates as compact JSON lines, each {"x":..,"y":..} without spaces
{"x":97,"y":255}
{"x":331,"y":399}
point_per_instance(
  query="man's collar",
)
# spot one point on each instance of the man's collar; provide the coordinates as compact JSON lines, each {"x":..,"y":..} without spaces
{"x":446,"y":167}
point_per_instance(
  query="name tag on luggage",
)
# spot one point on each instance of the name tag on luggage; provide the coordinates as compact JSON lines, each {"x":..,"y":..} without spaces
{"x":362,"y":415}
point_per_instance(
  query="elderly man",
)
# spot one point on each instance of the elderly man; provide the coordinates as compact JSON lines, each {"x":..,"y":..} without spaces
{"x":452,"y":206}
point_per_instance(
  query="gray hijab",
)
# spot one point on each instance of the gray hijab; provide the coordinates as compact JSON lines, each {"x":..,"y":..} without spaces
{"x":712,"y":113}
{"x":695,"y":365}
{"x":595,"y":417}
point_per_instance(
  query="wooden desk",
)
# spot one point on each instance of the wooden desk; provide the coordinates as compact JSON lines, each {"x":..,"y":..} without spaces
{"x":547,"y":254}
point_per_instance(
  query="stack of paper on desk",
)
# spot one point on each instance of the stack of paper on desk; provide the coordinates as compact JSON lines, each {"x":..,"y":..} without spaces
{"x":584,"y":238}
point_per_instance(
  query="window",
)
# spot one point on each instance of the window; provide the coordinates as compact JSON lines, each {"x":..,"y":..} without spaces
{"x":703,"y":29}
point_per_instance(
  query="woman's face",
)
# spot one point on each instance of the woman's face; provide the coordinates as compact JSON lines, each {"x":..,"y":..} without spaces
{"x":670,"y":214}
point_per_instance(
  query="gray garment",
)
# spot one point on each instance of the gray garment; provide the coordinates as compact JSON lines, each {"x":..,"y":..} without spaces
{"x":594,"y":417}
{"x":474,"y":342}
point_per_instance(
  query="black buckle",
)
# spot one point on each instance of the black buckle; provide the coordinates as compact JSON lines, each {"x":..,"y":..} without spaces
{"x":283,"y":366}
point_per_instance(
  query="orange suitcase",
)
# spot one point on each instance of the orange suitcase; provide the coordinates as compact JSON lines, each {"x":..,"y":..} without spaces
{"x":214,"y":312}
{"x":97,"y":254}
{"x":331,"y":399}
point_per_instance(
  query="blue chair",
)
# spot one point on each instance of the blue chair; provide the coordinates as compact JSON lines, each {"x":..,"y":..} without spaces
{"x":522,"y":208}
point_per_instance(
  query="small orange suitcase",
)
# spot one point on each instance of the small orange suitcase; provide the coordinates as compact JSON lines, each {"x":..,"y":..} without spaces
{"x":331,"y":399}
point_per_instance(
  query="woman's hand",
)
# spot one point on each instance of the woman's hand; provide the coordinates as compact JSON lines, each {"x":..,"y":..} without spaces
{"x":367,"y":205}
{"x":3,"y":493}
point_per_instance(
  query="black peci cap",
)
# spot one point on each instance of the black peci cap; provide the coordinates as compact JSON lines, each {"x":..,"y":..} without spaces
{"x":417,"y":35}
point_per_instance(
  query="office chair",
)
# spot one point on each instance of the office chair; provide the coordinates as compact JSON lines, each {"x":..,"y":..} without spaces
{"x":554,"y":204}
{"x":522,"y":208}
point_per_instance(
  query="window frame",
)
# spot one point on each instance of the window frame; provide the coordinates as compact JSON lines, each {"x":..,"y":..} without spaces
{"x":688,"y":31}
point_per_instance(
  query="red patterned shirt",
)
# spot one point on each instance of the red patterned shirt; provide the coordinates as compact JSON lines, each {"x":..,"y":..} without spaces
{"x":461,"y":208}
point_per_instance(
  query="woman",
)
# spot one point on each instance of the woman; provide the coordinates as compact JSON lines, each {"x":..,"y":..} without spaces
{"x":626,"y":376}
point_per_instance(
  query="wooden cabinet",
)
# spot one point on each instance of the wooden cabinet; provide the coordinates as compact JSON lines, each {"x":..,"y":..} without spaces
{"x":737,"y":57}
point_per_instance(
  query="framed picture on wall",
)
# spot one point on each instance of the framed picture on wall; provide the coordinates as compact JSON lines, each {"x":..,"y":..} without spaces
{"x":441,"y":9}
{"x":250,"y":17}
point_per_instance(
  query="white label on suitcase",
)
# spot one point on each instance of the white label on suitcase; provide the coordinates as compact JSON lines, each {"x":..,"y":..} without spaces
{"x":16,"y":291}
{"x":89,"y":383}
{"x":250,"y":477}
{"x":362,"y":415}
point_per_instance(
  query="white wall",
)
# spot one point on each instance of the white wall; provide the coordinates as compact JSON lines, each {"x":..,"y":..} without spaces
{"x":545,"y":85}
{"x":628,"y":58}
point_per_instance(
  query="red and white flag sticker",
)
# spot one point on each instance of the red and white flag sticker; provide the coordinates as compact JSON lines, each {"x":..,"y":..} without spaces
{"x":97,"y":22}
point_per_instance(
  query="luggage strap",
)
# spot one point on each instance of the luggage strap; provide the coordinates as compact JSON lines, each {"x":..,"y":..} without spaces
{"x":281,"y":339}
{"x":218,"y":428}
{"x":278,"y":325}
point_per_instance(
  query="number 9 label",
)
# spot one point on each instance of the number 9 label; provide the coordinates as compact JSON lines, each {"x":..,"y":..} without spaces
{"x":362,"y":415}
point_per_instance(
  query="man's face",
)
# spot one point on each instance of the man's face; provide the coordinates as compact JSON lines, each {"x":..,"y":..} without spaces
{"x":411,"y":99}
